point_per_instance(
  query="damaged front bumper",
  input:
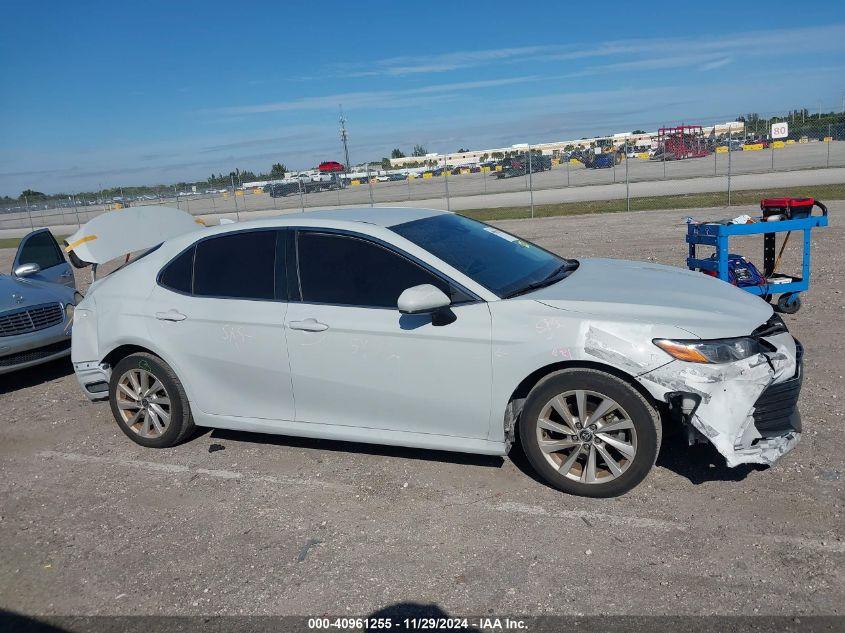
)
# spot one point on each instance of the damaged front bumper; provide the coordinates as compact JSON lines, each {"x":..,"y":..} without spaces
{"x":746,"y":409}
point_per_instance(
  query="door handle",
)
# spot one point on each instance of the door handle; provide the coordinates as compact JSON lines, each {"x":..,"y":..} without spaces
{"x":308,"y":325}
{"x":66,"y":275}
{"x":170,"y":315}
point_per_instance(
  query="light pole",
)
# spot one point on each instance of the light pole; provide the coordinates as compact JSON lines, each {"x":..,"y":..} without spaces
{"x":527,"y":147}
{"x":446,"y":183}
{"x":370,"y":184}
{"x":829,"y":140}
{"x":627,"y":184}
{"x":234,"y":196}
{"x":729,"y":164}
{"x":343,"y":137}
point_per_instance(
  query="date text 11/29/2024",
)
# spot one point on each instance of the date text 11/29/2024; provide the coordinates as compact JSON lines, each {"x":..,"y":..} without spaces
{"x":420,"y":623}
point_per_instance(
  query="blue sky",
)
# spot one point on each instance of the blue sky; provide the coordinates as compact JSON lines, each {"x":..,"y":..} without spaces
{"x":120,"y":93}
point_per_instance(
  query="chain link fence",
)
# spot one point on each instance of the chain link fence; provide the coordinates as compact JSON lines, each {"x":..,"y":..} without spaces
{"x":674,"y":160}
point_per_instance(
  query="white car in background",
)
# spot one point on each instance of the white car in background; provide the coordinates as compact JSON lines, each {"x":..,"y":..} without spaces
{"x":426,"y":329}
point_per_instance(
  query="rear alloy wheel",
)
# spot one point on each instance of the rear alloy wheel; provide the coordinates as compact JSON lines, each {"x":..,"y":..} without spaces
{"x":589,"y":433}
{"x":143,"y":403}
{"x":148,"y":401}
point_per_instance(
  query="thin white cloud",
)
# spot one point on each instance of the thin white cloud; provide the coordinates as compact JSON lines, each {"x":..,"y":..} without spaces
{"x":706,"y":53}
{"x":374,"y":98}
{"x":769,"y":43}
{"x":718,"y":63}
{"x":653,"y":63}
{"x":407,"y":65}
{"x":383,"y":99}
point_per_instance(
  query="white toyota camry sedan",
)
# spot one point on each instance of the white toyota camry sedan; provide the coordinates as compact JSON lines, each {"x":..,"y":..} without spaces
{"x":426,"y":329}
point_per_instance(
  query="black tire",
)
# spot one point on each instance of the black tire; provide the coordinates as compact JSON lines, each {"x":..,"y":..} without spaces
{"x":788,"y":304}
{"x":181,"y":424}
{"x":645,"y":419}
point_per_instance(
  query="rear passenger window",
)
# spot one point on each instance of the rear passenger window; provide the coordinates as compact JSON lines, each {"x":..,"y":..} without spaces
{"x":178,"y":274}
{"x":236,"y":266}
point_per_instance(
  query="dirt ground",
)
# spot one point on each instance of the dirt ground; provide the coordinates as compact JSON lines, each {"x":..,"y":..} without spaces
{"x":90,"y":523}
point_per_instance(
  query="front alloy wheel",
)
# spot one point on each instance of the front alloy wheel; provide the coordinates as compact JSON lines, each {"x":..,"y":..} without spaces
{"x":589,"y":433}
{"x":586,"y":436}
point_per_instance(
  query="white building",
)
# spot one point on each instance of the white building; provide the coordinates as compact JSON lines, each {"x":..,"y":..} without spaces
{"x":553,"y":148}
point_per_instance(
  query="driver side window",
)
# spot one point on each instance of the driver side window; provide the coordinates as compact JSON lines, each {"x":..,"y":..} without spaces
{"x":41,"y":249}
{"x":345,"y":270}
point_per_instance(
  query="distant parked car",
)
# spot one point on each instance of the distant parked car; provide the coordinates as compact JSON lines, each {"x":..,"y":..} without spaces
{"x":36,"y":304}
{"x":282,"y":189}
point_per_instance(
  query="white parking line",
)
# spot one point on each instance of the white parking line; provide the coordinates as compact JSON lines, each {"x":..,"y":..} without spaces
{"x":801,"y":542}
{"x":512,"y":507}
{"x":209,"y":472}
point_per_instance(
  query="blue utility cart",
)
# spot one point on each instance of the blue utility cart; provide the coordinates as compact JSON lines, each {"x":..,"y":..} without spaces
{"x":780,"y":215}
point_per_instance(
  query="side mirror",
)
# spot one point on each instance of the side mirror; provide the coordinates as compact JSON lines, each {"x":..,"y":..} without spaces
{"x":422,"y":299}
{"x":25,"y":270}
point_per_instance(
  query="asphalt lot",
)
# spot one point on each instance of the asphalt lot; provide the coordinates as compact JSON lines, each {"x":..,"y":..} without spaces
{"x":793,"y":165}
{"x":90,"y":523}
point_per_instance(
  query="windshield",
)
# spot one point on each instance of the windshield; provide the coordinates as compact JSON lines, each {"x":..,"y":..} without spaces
{"x":499,"y":261}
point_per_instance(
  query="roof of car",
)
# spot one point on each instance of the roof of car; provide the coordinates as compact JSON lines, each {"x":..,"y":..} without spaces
{"x":379,"y":216}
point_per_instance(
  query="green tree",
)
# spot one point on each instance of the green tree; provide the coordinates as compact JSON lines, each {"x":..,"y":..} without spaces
{"x":419,"y":150}
{"x":278,"y":171}
{"x":397,"y":153}
{"x":29,"y":194}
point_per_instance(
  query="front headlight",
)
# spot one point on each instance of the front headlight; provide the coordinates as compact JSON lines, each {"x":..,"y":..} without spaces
{"x":724,"y":350}
{"x":69,"y":310}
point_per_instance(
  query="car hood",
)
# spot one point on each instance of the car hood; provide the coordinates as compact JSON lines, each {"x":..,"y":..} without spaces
{"x":700,"y":304}
{"x":21,"y":293}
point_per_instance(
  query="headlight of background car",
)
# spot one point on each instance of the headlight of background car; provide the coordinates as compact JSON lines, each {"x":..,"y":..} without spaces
{"x":70,"y":307}
{"x":725,"y":350}
{"x":69,"y":310}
